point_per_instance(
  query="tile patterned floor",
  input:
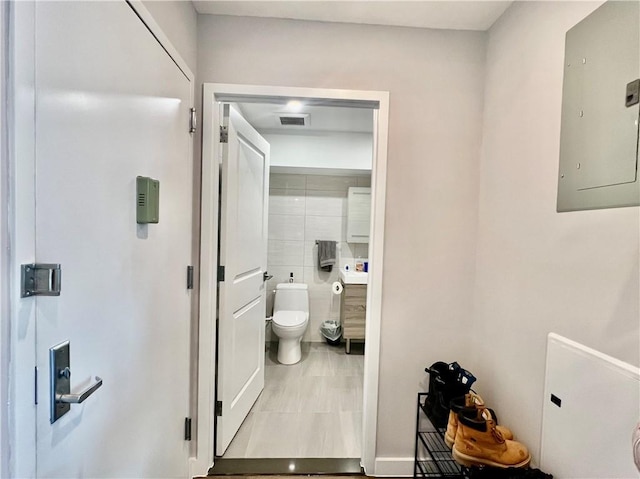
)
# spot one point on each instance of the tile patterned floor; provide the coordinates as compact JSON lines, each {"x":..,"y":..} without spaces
{"x":309,"y":409}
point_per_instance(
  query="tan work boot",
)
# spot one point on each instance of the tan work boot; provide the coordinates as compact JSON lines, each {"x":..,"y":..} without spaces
{"x":478,"y":442}
{"x":470,"y":401}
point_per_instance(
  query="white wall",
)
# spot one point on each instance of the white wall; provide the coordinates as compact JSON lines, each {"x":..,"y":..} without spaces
{"x":435,"y":82}
{"x":539,"y":271}
{"x":178,"y":20}
{"x":333,"y":150}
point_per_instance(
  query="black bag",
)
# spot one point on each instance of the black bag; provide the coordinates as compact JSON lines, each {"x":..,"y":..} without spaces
{"x":446,"y":382}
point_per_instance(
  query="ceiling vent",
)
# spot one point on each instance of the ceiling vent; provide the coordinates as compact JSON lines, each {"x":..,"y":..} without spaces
{"x":294,"y":120}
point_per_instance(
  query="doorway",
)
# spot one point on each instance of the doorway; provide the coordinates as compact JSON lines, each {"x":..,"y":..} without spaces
{"x":214,"y":95}
{"x":320,"y":172}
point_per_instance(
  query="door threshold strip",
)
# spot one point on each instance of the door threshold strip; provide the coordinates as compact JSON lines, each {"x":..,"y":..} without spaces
{"x":284,"y":466}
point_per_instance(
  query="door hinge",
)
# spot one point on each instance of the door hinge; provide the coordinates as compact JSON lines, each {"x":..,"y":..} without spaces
{"x":224,"y":134}
{"x":40,"y":279}
{"x":35,"y":385}
{"x":189,"y":277}
{"x":220,"y":273}
{"x":218,"y":408}
{"x":193,"y":121}
{"x":187,"y":429}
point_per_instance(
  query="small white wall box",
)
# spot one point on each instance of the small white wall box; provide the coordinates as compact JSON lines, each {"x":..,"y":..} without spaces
{"x":147,"y":200}
{"x":600,"y":110}
{"x":358,"y":214}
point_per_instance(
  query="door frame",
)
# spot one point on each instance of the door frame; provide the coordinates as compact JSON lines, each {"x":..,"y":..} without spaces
{"x":213,"y":93}
{"x":4,"y":238}
{"x":18,"y":174}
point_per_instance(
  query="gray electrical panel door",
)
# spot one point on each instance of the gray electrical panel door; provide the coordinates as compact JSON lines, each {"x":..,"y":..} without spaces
{"x":600,"y":112}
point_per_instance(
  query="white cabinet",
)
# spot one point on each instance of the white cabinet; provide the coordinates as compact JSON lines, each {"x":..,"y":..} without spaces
{"x":358,"y":214}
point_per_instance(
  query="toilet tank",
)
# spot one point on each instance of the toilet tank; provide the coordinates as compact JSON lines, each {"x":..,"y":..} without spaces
{"x":291,"y":297}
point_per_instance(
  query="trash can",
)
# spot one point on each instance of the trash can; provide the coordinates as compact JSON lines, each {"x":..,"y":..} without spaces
{"x":332,"y":331}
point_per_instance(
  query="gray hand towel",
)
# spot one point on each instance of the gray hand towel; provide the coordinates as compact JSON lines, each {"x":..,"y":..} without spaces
{"x":326,"y":254}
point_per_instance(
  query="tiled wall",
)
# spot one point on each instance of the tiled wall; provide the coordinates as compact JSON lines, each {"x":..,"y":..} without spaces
{"x":303,"y":209}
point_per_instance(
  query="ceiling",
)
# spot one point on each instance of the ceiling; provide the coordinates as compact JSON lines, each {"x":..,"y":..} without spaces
{"x":264,"y":117}
{"x":451,"y":14}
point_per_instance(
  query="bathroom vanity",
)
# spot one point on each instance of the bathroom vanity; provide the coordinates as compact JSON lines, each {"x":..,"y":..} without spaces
{"x":353,"y":307}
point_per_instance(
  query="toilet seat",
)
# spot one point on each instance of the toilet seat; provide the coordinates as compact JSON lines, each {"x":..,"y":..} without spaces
{"x":289,"y":319}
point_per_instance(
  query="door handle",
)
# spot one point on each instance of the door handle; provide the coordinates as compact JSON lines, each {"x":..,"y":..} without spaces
{"x":266,"y":276}
{"x":61,"y":397}
{"x":77,"y":398}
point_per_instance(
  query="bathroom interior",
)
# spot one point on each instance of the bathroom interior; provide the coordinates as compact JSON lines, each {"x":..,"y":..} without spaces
{"x":319,"y":198}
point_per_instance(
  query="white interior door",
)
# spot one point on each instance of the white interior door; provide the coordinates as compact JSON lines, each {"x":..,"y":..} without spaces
{"x":112,"y":105}
{"x":243,"y":253}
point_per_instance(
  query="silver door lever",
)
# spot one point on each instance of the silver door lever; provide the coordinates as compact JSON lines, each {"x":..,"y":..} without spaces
{"x":60,"y":393}
{"x":77,"y":398}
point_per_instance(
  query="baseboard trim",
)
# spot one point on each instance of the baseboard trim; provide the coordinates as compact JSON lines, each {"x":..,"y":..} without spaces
{"x":393,"y":467}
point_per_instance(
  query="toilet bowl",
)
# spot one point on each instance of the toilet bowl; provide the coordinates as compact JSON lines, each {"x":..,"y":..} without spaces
{"x":290,"y":320}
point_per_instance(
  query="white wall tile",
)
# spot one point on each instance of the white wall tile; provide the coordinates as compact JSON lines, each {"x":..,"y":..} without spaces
{"x":326,"y":203}
{"x":345,"y":252}
{"x":325,"y":228}
{"x":277,"y":180}
{"x":361,"y":250}
{"x":313,"y":334}
{"x":286,"y":202}
{"x":285,"y":253}
{"x":281,"y":275}
{"x":317,"y":278}
{"x":286,"y":227}
{"x":310,"y":253}
{"x":269,"y":308}
{"x":319,"y":311}
{"x":327,"y":183}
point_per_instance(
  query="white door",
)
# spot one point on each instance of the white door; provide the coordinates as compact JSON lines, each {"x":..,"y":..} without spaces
{"x":111,"y":105}
{"x":243,"y":253}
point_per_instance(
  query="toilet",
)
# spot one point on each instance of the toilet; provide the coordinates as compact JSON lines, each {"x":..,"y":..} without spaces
{"x":290,"y":320}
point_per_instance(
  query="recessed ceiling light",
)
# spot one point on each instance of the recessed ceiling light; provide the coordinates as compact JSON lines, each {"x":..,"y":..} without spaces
{"x":292,"y":466}
{"x":294,"y":105}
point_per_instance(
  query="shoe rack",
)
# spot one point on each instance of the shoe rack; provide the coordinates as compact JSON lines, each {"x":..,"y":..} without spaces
{"x":432,"y":456}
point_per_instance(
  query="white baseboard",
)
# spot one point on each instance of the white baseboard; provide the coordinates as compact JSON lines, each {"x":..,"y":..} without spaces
{"x":393,"y":467}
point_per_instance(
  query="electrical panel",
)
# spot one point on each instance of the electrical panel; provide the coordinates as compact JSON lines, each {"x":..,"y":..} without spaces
{"x":600,"y":110}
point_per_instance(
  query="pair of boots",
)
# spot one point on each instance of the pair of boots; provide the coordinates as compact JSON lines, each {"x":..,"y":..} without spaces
{"x":476,"y":438}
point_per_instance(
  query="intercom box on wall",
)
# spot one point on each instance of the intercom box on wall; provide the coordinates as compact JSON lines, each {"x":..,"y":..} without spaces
{"x":600,"y":110}
{"x":148,"y":200}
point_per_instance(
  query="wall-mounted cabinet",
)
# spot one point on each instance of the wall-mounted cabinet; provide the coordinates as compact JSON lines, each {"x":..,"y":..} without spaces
{"x":358,"y":214}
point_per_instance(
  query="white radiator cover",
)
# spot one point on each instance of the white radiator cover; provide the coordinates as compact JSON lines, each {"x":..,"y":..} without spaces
{"x":589,"y":434}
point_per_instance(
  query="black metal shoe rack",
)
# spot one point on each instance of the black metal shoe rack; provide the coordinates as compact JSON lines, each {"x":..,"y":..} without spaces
{"x":432,"y":456}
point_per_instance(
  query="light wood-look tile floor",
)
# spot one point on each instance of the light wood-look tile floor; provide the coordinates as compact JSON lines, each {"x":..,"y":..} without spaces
{"x":309,"y":409}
